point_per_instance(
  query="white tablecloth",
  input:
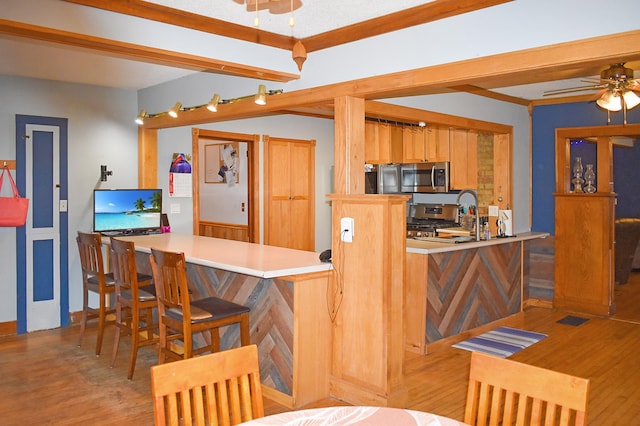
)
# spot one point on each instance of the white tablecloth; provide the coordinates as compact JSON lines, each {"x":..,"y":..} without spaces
{"x":369,"y":416}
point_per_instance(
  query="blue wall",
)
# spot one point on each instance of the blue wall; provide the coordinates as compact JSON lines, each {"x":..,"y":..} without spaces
{"x":626,"y":161}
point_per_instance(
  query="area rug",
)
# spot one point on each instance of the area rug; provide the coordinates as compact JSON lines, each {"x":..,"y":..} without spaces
{"x":501,"y":342}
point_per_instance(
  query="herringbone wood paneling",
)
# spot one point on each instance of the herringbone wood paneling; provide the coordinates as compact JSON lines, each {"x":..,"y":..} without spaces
{"x":489,"y":288}
{"x":270,"y":319}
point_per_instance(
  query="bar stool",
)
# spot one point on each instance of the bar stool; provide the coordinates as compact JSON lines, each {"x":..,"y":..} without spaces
{"x":94,"y":279}
{"x":135,"y":301}
{"x":179,"y":317}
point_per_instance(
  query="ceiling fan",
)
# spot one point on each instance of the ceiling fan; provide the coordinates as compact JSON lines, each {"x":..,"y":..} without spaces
{"x":617,"y":89}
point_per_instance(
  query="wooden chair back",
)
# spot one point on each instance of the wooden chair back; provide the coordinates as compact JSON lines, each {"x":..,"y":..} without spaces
{"x":90,"y":248}
{"x":506,"y":392}
{"x":123,"y":265}
{"x":221,"y":388}
{"x":170,"y":278}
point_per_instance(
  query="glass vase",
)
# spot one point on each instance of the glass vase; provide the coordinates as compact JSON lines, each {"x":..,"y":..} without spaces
{"x":589,"y":178}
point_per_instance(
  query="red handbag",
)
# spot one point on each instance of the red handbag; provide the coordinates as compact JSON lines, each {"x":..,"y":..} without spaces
{"x":13,"y":210}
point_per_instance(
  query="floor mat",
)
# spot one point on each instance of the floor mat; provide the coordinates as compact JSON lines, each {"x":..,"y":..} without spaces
{"x":501,"y":342}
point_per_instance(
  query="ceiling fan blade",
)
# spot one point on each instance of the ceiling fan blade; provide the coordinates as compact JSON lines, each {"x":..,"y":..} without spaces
{"x":597,"y":95}
{"x":573,"y":89}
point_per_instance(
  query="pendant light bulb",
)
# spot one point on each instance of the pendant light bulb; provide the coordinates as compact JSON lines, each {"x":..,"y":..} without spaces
{"x":292,"y":21}
{"x":256,"y":20}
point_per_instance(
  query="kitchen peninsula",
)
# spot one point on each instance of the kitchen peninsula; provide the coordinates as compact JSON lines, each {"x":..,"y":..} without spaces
{"x":286,"y":291}
{"x":451,"y":288}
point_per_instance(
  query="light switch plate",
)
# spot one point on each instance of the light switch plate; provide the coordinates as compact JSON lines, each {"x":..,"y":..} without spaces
{"x":63,"y":205}
{"x":493,"y":210}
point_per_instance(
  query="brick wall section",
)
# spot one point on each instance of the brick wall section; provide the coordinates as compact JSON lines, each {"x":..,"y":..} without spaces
{"x":485,"y":172}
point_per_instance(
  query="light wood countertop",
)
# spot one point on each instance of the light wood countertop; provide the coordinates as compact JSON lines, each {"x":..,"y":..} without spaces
{"x":236,"y":256}
{"x":429,"y":247}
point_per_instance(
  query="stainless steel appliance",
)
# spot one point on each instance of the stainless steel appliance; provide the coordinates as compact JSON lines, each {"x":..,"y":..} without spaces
{"x":425,"y":177}
{"x":389,"y":178}
{"x":370,"y":178}
{"x":425,"y":219}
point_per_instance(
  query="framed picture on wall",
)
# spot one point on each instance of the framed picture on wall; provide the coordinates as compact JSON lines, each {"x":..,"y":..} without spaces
{"x":222,"y":163}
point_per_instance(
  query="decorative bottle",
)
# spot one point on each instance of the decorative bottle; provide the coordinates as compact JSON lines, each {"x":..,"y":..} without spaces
{"x":577,"y":175}
{"x":589,"y":177}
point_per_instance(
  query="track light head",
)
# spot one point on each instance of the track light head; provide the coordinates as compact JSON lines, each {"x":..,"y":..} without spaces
{"x":140,"y":118}
{"x":173,"y":112}
{"x":261,"y":96}
{"x":213,"y":103}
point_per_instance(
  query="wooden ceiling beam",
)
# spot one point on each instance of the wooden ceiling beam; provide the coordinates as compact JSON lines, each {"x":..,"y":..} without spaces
{"x":621,"y":47}
{"x":429,"y":12}
{"x":181,"y":18}
{"x":475,"y":90}
{"x":141,"y":53}
{"x":417,"y":15}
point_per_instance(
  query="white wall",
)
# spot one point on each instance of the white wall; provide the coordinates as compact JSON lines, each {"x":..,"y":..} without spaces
{"x":101,"y":131}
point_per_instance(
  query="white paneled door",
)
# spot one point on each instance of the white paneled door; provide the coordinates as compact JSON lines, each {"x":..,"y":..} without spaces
{"x":42,"y":242}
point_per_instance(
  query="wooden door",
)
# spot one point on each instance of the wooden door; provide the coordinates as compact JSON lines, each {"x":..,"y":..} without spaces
{"x":289,"y":193}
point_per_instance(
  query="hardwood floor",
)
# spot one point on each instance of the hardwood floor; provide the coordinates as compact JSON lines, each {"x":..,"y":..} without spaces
{"x":47,"y":379}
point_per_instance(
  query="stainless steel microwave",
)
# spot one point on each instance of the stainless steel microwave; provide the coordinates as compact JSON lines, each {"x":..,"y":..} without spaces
{"x":389,"y":178}
{"x":425,"y":177}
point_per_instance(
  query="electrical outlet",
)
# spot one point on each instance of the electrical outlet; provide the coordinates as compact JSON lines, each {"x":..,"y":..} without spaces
{"x":493,"y":210}
{"x":346,"y":229}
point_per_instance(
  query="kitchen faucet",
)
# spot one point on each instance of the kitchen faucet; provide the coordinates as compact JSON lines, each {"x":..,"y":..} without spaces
{"x":475,"y":198}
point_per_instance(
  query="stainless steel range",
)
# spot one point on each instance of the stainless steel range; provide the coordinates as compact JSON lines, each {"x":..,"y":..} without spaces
{"x":424,"y":219}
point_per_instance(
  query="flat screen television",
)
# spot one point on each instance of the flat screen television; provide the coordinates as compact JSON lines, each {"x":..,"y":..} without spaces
{"x":127,"y":211}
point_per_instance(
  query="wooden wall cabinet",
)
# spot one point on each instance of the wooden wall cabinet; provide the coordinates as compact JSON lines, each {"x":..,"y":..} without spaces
{"x":289,"y":189}
{"x":383,"y":143}
{"x":414,"y":144}
{"x":438,"y":144}
{"x":463,"y":154}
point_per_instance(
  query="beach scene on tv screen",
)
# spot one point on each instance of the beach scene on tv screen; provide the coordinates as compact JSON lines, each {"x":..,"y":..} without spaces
{"x":127,"y":209}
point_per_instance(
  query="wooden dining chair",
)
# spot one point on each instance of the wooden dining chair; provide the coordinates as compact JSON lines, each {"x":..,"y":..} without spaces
{"x":506,"y":392}
{"x":222,"y":388}
{"x":135,"y":301}
{"x":95,"y":280}
{"x":179,"y":316}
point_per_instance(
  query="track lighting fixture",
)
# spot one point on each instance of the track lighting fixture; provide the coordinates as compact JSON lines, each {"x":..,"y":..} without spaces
{"x":213,"y":103}
{"x":173,"y":112}
{"x":261,"y":96}
{"x":140,"y":118}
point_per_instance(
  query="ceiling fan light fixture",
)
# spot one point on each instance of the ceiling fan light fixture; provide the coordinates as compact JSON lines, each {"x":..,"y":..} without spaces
{"x":631,"y":100}
{"x":610,"y":100}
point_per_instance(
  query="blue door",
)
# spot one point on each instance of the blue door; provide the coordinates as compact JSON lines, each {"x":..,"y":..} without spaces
{"x":42,"y":244}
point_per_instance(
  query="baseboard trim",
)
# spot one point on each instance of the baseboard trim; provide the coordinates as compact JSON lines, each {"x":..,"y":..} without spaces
{"x":9,"y":328}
